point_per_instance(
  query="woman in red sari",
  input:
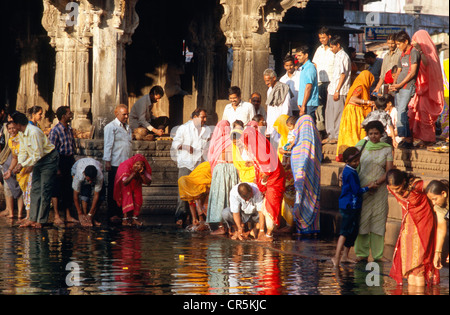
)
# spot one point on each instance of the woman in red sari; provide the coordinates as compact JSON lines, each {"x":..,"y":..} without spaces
{"x":130,"y":176}
{"x":414,"y":251}
{"x":269,"y":176}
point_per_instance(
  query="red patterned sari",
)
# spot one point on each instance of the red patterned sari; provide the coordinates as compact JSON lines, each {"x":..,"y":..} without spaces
{"x":415,"y":246}
{"x":129,"y":197}
{"x":266,"y":162}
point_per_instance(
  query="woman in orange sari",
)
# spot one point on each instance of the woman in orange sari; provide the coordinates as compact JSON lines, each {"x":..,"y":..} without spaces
{"x":270,"y":178}
{"x":414,"y":251}
{"x":357,"y":106}
{"x":130,"y":176}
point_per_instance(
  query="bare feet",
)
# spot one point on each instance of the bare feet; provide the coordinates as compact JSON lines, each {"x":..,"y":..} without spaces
{"x":58,"y":221}
{"x":262,"y":237}
{"x":348,"y":260}
{"x":136,"y":221}
{"x":26,"y":223}
{"x":6,"y":214}
{"x":335,"y":261}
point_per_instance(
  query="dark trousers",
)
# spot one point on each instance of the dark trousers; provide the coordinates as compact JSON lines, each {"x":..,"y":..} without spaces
{"x":113,"y":208}
{"x":44,"y":174}
{"x":63,"y":187}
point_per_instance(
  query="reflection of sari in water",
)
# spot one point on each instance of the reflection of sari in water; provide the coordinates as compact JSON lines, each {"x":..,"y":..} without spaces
{"x":350,"y":130}
{"x":305,"y":163}
{"x":414,"y":251}
{"x":427,"y":103}
{"x":266,"y":163}
{"x":240,"y":161}
{"x":191,"y":187}
{"x":129,"y":197}
{"x":224,"y":174}
{"x":289,"y":193}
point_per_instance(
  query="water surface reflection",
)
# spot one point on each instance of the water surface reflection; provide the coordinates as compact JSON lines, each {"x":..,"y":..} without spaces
{"x":165,"y":261}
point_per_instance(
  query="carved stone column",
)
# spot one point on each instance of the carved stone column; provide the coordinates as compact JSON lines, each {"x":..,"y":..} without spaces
{"x":72,"y":44}
{"x":112,"y":29}
{"x":247,"y":26}
{"x":28,"y":92}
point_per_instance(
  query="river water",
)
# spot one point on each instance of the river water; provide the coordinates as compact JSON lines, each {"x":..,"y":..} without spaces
{"x":165,"y":261}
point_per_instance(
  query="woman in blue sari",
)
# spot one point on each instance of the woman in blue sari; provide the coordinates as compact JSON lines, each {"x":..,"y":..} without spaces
{"x":305,"y":163}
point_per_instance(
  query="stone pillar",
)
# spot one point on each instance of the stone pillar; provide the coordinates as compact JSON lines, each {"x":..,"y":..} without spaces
{"x":72,"y":44}
{"x":28,"y":92}
{"x":247,"y":26}
{"x":112,"y":29}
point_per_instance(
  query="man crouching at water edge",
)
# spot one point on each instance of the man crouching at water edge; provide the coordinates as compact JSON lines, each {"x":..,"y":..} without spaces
{"x":246,"y":201}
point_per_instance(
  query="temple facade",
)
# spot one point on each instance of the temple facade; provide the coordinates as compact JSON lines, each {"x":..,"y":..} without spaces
{"x":94,"y":54}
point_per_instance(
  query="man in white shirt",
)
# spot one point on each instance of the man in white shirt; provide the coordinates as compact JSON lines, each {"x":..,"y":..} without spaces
{"x":337,"y":89}
{"x":38,"y":152}
{"x":246,"y":201}
{"x":291,"y":78}
{"x":117,"y":148}
{"x":189,"y":147}
{"x":323,"y":60}
{"x":141,"y":113}
{"x":237,"y":109}
{"x":86,"y":173}
{"x":278,"y":103}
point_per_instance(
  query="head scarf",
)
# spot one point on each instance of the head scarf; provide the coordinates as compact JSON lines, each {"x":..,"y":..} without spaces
{"x":281,"y":127}
{"x":429,"y":82}
{"x":220,"y":140}
{"x":365,"y":80}
{"x":261,"y":151}
{"x":123,"y":195}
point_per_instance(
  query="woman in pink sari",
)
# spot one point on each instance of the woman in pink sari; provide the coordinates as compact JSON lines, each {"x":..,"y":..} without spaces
{"x":270,"y":178}
{"x":428,"y":102}
{"x":130,"y":176}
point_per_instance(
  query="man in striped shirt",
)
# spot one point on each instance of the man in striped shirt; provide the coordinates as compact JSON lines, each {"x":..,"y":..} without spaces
{"x":62,"y":138}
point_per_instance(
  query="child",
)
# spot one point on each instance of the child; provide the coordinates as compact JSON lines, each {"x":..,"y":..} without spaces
{"x":381,"y":115}
{"x":392,"y":111}
{"x":290,"y":123}
{"x":350,"y":202}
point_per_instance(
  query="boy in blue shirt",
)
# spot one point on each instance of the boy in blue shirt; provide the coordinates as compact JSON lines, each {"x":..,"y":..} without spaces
{"x":350,"y":203}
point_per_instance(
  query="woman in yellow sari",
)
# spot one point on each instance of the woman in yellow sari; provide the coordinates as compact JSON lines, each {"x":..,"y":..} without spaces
{"x":289,"y":193}
{"x":357,"y":106}
{"x":194,"y":189}
{"x":23,"y":176}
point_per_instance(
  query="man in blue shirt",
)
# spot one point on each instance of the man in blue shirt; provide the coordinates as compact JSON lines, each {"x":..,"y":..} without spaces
{"x":308,"y":93}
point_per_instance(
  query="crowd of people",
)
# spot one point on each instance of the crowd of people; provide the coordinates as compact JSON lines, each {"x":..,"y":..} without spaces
{"x":257,"y":172}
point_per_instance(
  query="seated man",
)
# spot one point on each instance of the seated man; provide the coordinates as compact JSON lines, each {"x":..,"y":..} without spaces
{"x":141,"y":113}
{"x":245,"y":203}
{"x":86,"y":173}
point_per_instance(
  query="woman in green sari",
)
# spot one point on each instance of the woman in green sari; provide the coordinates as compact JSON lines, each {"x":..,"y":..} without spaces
{"x":376,"y":160}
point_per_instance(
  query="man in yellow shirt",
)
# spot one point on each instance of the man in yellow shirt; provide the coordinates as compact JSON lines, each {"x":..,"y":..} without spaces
{"x":38,"y":152}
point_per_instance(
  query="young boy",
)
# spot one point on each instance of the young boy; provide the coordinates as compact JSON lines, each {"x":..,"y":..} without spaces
{"x":381,"y":115}
{"x":350,"y":202}
{"x":290,"y":123}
